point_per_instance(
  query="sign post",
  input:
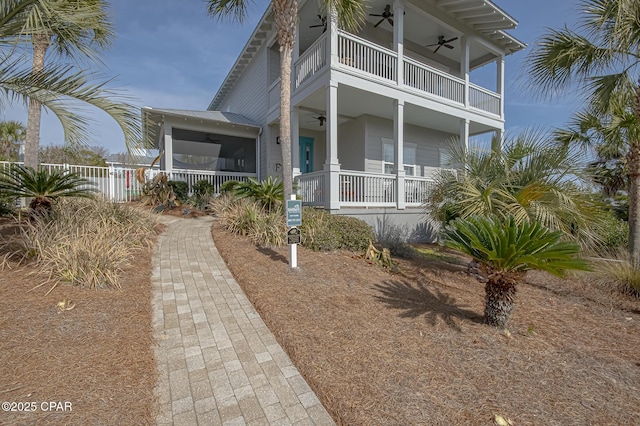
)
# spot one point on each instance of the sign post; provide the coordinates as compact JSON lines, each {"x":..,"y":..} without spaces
{"x":294,"y":219}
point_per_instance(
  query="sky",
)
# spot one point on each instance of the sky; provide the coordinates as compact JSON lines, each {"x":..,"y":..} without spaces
{"x":171,"y":54}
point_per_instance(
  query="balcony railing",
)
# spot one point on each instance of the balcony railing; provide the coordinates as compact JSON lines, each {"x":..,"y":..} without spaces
{"x":484,"y":99}
{"x":311,"y":188}
{"x":427,"y":79}
{"x":356,"y":52}
{"x":311,"y":61}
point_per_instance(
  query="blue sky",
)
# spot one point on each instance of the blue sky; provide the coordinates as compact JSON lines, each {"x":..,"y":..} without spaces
{"x":170,"y":54}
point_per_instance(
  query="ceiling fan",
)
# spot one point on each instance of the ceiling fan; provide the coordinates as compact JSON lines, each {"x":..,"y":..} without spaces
{"x":321,"y":119}
{"x":442,"y":42}
{"x":386,"y":14}
{"x":323,"y":23}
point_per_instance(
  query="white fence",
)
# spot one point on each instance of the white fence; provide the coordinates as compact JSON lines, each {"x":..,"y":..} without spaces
{"x":311,"y":61}
{"x":119,"y":184}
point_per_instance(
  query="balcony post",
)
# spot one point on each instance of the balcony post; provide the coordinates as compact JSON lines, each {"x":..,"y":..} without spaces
{"x":295,"y":141}
{"x":168,"y":149}
{"x":500,"y":82}
{"x":331,"y":165}
{"x":464,"y":133}
{"x":464,"y":67}
{"x":398,"y":131}
{"x":333,"y":36}
{"x":398,"y":39}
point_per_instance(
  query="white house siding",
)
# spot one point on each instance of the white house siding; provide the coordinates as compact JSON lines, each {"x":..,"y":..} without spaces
{"x":428,"y":143}
{"x":351,"y":144}
{"x":249,"y":95}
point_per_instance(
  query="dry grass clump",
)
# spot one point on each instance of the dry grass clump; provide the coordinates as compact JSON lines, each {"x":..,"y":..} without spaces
{"x":618,"y":273}
{"x":86,"y":242}
{"x":249,"y":218}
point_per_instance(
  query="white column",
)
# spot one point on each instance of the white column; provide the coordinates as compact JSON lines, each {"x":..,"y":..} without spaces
{"x":398,"y":135}
{"x":464,"y":67}
{"x":496,"y":143}
{"x":398,"y":38}
{"x":295,"y":141}
{"x":168,"y":149}
{"x":333,"y":36}
{"x":500,"y":82}
{"x":464,"y":133}
{"x":331,"y":165}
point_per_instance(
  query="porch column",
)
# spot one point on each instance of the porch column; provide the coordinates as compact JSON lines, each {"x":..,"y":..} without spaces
{"x":496,"y":143}
{"x":331,"y":165}
{"x":295,"y":142}
{"x":464,"y":67}
{"x":464,"y":133}
{"x":398,"y":132}
{"x":500,"y":83}
{"x":398,"y":38}
{"x":332,"y":25}
{"x":168,"y":149}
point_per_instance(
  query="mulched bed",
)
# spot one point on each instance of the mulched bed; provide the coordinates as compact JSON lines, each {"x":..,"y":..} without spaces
{"x":97,"y":357}
{"x":411,"y":348}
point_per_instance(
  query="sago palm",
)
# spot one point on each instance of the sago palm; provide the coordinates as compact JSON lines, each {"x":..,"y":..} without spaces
{"x":268,"y":192}
{"x":57,"y":85}
{"x":11,"y":136}
{"x":350,"y":14}
{"x":528,"y":178}
{"x":601,"y":58}
{"x":507,"y":249}
{"x":42,"y":186}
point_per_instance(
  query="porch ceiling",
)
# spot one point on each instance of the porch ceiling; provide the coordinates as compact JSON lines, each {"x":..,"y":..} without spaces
{"x":353,"y":103}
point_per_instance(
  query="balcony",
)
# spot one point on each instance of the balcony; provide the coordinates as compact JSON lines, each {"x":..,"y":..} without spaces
{"x":362,"y":57}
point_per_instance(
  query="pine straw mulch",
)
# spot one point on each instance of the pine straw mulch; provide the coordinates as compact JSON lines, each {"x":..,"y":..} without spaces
{"x":410,"y":347}
{"x":98,"y":356}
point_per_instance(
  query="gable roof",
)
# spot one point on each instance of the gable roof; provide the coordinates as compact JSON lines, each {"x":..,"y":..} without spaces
{"x":483,"y":16}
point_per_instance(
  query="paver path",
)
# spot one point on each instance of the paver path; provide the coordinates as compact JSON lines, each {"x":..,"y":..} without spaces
{"x":218,"y":362}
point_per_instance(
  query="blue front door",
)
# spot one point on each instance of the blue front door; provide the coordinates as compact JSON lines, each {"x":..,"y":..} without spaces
{"x":306,"y":154}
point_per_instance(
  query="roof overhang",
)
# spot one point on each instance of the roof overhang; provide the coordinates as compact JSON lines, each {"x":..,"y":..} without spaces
{"x":153,"y":120}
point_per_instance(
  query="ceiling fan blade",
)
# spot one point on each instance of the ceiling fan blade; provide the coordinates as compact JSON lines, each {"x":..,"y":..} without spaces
{"x":431,"y":45}
{"x":448,"y":46}
{"x":374,"y":14}
{"x":450,"y":40}
{"x":437,"y":48}
{"x":379,"y":22}
{"x":316,"y":26}
{"x":390,"y":21}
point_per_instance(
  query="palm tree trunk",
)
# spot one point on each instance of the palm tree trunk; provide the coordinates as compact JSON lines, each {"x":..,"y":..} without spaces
{"x":32,"y":138}
{"x":500,"y":297}
{"x":633,"y":162}
{"x":285,"y":14}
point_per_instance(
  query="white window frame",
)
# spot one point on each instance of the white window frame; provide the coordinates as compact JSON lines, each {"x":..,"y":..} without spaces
{"x":410,"y":166}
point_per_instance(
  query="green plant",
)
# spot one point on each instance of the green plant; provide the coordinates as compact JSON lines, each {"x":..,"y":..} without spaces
{"x":180,"y":189}
{"x":506,"y":249}
{"x":86,"y":242}
{"x":324,"y":231}
{"x":228,"y":186}
{"x":268,"y":192}
{"x":618,"y":273}
{"x":42,"y":186}
{"x":158,"y":193}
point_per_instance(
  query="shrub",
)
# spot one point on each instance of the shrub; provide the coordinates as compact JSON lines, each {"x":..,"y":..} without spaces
{"x":219,"y":205}
{"x":203,"y":194}
{"x":228,"y":186}
{"x":395,"y":237}
{"x":618,"y":273}
{"x":324,"y":231}
{"x":203,"y":187}
{"x":269,"y":192}
{"x":85,"y":242}
{"x":613,"y":233}
{"x":180,"y":189}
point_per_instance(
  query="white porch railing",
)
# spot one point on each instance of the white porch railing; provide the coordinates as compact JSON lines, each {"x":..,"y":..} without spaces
{"x":311,"y":188}
{"x":484,"y":99}
{"x":311,"y":61}
{"x":427,"y":79}
{"x":416,"y":190}
{"x":356,"y":52}
{"x":366,"y":189}
{"x":119,"y":184}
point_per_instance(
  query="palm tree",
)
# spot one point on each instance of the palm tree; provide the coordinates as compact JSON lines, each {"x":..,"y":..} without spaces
{"x":506,"y":249}
{"x":529,"y":178}
{"x":600,"y":58}
{"x":350,"y":14}
{"x":11,"y":136}
{"x":54,"y":85}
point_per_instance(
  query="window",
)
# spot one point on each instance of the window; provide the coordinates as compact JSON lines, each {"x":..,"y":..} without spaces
{"x":409,"y":158}
{"x":445,"y":158}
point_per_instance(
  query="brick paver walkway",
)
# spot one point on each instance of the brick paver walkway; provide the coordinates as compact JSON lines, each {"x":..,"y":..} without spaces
{"x":218,"y":362}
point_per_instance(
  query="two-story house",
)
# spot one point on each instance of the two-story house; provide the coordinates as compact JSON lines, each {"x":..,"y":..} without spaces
{"x":372,"y":113}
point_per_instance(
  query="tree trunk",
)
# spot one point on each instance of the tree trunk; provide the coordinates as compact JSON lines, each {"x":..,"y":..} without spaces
{"x":285,"y":14}
{"x":32,"y":138}
{"x":633,"y":164}
{"x":500,"y":297}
